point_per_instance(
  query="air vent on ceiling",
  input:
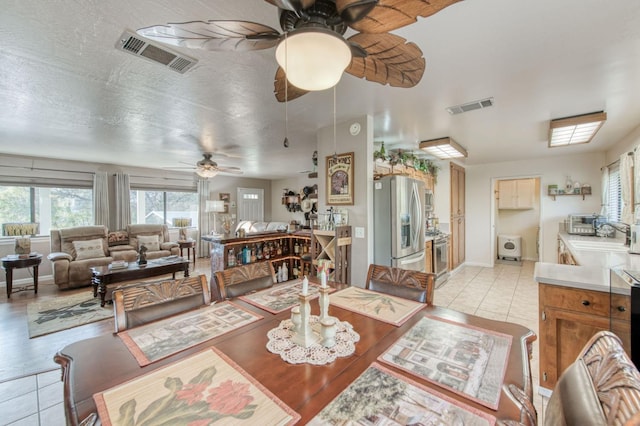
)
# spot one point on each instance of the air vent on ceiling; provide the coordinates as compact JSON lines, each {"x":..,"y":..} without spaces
{"x":139,"y":46}
{"x":470,"y":106}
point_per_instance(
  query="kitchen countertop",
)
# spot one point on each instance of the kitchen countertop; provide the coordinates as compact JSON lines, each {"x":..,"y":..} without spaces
{"x":593,"y":269}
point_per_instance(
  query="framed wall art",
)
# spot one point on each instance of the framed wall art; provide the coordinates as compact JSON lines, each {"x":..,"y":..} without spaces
{"x":340,"y":179}
{"x":225,"y":196}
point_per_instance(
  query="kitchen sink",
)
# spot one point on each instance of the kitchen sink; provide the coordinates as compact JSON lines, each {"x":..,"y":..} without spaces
{"x":598,"y":245}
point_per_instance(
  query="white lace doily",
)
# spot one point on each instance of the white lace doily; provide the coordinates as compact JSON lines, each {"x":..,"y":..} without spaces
{"x":280,"y":343}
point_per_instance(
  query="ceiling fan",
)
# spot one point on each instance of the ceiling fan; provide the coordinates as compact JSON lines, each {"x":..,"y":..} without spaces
{"x":207,"y":168}
{"x":312,"y":41}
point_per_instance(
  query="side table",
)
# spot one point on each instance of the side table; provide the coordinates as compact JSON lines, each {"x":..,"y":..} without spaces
{"x":9,"y":263}
{"x":190,"y":245}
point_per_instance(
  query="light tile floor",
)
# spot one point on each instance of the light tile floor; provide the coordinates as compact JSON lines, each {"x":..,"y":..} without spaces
{"x":505,"y":293}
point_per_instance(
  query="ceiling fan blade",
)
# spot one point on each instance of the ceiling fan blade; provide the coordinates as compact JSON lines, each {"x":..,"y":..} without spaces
{"x":390,"y":60}
{"x":389,"y":15}
{"x":292,"y":91}
{"x":354,"y":10}
{"x":232,"y":170}
{"x":239,"y":36}
{"x":293,"y":5}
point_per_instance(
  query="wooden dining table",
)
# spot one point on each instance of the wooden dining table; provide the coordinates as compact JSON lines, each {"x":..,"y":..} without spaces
{"x":94,"y":365}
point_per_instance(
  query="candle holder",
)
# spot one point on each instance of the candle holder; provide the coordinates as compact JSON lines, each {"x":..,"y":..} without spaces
{"x":295,"y":318}
{"x":324,"y":303}
{"x":328,"y":332}
{"x":304,"y":335}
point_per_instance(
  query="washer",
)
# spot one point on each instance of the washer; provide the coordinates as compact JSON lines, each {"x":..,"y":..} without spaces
{"x":509,"y":246}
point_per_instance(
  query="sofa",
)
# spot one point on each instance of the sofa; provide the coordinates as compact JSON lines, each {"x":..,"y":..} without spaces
{"x":74,"y":251}
{"x":154,"y":237}
{"x":251,"y":226}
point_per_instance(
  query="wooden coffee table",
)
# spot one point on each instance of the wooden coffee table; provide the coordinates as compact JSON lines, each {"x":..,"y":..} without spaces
{"x":102,"y":276}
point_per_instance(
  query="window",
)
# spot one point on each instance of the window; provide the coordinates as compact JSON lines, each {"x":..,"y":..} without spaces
{"x":52,"y":208}
{"x":161,"y":207}
{"x":614,"y":204}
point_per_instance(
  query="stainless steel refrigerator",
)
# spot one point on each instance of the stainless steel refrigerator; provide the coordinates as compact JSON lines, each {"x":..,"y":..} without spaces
{"x":398,"y":219}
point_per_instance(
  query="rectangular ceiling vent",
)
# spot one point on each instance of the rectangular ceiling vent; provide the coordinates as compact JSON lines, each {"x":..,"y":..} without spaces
{"x":139,"y":46}
{"x":470,"y":106}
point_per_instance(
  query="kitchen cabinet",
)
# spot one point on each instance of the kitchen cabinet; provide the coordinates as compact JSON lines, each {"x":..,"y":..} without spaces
{"x":457,"y":218}
{"x":568,"y":318}
{"x":428,"y":256}
{"x":516,"y":194}
{"x":333,"y":249}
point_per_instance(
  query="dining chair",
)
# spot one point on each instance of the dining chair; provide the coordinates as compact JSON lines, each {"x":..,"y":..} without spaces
{"x":243,"y":279}
{"x":412,"y":285}
{"x":144,"y":302}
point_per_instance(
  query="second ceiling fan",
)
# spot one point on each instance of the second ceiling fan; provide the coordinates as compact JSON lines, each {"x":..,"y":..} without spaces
{"x":312,"y":40}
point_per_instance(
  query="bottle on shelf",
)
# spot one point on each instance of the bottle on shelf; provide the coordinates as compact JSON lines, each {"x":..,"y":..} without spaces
{"x":296,"y":269}
{"x":278,"y":248}
{"x":253,"y":254}
{"x":279,"y":274}
{"x":231,"y":257}
{"x":296,"y":248}
{"x":285,"y":272}
{"x":246,"y":255}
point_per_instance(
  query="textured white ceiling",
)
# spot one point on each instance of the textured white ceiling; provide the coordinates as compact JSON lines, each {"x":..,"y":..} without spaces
{"x":66,"y":92}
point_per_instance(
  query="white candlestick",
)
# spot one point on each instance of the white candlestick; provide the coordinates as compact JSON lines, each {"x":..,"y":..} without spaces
{"x":323,"y":278}
{"x":305,"y":286}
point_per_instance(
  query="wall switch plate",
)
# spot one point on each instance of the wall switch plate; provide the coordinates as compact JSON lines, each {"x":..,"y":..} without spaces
{"x":359,"y":232}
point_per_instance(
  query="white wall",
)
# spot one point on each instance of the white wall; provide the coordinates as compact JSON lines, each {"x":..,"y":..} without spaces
{"x":627,"y":144}
{"x":360,"y":213}
{"x":584,"y":168}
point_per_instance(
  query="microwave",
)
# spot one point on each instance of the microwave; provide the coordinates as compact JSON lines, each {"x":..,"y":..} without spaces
{"x":582,"y":224}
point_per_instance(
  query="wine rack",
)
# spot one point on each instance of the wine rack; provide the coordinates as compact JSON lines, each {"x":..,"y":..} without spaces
{"x":333,"y":249}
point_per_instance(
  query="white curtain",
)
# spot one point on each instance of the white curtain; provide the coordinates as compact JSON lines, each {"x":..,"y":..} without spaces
{"x":203,"y":223}
{"x":636,"y":185}
{"x":123,"y":203}
{"x":626,"y":168}
{"x":101,"y":199}
{"x":604,"y":205}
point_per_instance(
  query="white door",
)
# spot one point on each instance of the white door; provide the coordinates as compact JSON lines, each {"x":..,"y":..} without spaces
{"x":250,"y":204}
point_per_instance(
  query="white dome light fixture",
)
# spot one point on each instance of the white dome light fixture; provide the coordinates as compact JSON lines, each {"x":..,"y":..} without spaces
{"x":313,"y":58}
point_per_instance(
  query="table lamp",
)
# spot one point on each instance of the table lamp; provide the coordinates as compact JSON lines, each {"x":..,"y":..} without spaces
{"x":215,"y":206}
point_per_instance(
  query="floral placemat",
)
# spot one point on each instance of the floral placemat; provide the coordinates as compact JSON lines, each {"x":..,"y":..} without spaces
{"x":467,"y":360}
{"x":380,"y":396}
{"x":280,"y":297}
{"x":159,"y":339}
{"x":381,"y":306}
{"x":203,"y":389}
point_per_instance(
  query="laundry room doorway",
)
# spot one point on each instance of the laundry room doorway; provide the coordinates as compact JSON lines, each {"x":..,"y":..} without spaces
{"x":516,"y":219}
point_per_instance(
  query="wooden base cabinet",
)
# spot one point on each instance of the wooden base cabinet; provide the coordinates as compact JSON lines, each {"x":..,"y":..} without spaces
{"x":569,"y":317}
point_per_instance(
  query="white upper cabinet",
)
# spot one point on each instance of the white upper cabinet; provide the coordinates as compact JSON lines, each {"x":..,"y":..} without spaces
{"x":516,"y":194}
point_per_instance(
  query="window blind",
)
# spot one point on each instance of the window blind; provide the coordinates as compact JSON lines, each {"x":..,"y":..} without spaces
{"x":614,"y":204}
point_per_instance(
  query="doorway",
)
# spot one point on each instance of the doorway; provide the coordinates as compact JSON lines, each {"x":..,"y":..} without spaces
{"x":250,"y":204}
{"x":516,"y":219}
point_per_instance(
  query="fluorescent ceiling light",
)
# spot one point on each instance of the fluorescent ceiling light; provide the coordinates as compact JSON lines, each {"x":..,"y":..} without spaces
{"x":443,"y":148}
{"x":576,"y":129}
{"x":313,"y":58}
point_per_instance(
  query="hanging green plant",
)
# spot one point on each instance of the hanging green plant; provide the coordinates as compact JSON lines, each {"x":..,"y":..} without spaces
{"x":380,"y":154}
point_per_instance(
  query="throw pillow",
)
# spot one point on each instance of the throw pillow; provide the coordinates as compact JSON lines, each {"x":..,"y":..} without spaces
{"x":88,"y":249}
{"x":150,"y":242}
{"x":118,"y":237}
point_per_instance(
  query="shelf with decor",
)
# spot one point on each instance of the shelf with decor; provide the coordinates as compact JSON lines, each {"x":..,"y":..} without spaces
{"x":553,"y":192}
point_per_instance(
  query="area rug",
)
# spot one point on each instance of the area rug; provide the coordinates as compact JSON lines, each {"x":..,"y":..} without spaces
{"x":381,"y":396}
{"x":61,"y":313}
{"x":381,"y":306}
{"x":159,"y":339}
{"x":467,"y":360}
{"x":205,"y":388}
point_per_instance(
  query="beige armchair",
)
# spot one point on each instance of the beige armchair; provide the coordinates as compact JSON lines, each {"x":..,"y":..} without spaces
{"x":155,"y":238}
{"x":74,"y":251}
